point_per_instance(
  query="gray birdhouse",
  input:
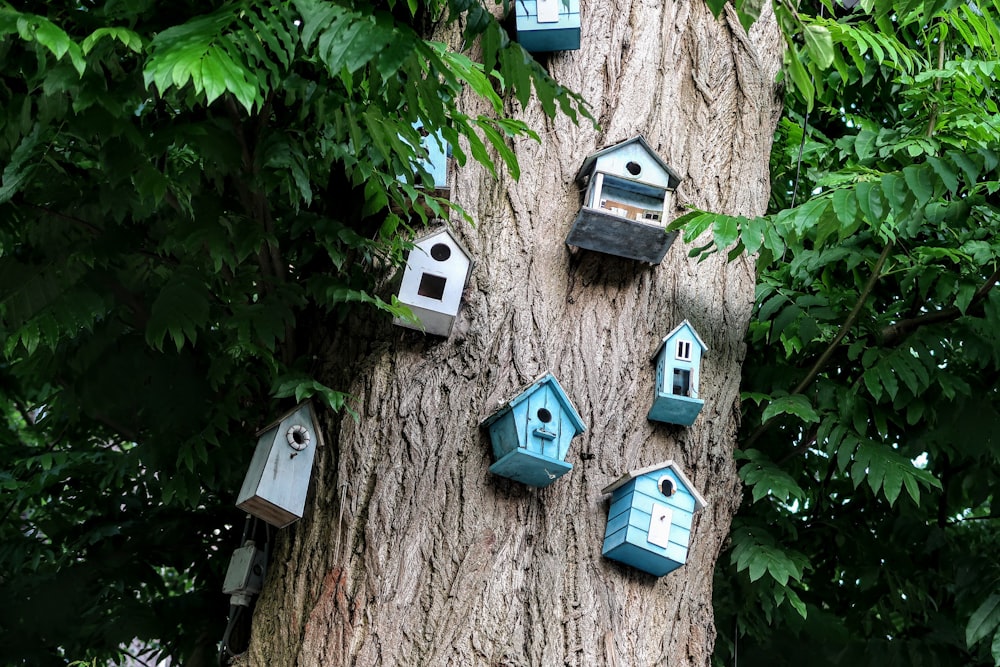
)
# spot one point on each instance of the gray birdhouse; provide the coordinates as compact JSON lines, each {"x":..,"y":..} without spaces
{"x":649,"y":523}
{"x":678,"y":370}
{"x":437,"y":271}
{"x":531,"y":433}
{"x":628,"y":198}
{"x":276,"y":484}
{"x":548,"y":25}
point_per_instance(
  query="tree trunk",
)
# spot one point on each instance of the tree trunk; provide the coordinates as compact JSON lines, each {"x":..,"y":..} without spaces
{"x":411,"y":552}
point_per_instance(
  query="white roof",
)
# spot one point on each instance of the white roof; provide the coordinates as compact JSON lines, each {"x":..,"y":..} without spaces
{"x":699,"y":500}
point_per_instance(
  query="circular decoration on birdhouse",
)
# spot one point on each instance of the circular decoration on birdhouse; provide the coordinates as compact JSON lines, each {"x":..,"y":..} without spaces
{"x":440,"y":251}
{"x":298,"y":437}
{"x":634,"y":168}
{"x":667,"y":486}
{"x":544,"y":415}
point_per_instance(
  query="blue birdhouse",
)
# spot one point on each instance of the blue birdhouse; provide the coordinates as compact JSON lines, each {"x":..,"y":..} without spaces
{"x":548,"y":25}
{"x":649,"y":523}
{"x":275,"y":487}
{"x":628,"y":197}
{"x":437,"y":271}
{"x":532,"y":432}
{"x":436,"y":164}
{"x":678,"y":369}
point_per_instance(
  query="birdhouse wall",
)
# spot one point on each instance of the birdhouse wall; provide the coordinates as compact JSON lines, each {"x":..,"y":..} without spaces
{"x":538,"y":33}
{"x":437,"y":159}
{"x":277,"y":481}
{"x":616,"y":163}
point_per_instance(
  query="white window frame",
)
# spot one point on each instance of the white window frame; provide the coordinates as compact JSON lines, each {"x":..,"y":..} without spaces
{"x":684,"y":350}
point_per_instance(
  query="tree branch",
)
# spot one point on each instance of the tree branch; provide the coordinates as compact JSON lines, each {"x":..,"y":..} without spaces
{"x":894,"y":333}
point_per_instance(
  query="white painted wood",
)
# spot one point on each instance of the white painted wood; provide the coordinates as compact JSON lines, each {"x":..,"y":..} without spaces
{"x":548,"y":11}
{"x":659,"y":525}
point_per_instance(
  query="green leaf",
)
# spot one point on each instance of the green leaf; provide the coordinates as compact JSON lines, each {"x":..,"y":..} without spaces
{"x":984,"y":621}
{"x":797,"y":405}
{"x":819,"y":44}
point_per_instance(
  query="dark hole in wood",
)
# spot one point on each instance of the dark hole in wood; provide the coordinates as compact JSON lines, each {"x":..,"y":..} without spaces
{"x":440,"y":252}
{"x":299,"y":437}
{"x":667,"y":487}
{"x":432,"y":286}
{"x":634,"y":168}
{"x":544,"y":415}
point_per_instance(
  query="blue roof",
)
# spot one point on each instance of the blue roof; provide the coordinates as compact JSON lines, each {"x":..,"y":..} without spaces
{"x":545,"y":378}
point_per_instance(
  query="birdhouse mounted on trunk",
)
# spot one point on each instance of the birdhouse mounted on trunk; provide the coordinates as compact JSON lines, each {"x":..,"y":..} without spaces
{"x":649,"y":523}
{"x":548,"y":25}
{"x":437,"y":270}
{"x":627,"y":202}
{"x":531,"y":433}
{"x":276,"y":484}
{"x":436,"y":164}
{"x":678,"y":371}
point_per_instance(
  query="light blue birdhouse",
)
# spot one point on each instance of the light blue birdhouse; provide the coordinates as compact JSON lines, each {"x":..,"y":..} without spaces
{"x":628,"y":198}
{"x":436,"y":164}
{"x":275,"y":487}
{"x":548,"y":25}
{"x":437,"y":271}
{"x":532,"y":432}
{"x":678,"y":370}
{"x":649,"y":523}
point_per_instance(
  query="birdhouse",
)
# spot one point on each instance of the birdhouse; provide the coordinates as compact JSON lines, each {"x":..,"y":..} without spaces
{"x":437,"y":159}
{"x":678,"y":368}
{"x":276,"y":484}
{"x":437,"y":270}
{"x":649,"y":523}
{"x":628,"y":197}
{"x":532,"y":432}
{"x":548,"y":25}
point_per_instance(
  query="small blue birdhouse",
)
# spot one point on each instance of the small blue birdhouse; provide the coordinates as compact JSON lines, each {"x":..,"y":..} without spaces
{"x":436,"y":164}
{"x":532,"y":432}
{"x":275,"y":487}
{"x":437,"y":270}
{"x":628,"y":197}
{"x":678,"y":369}
{"x":649,"y":523}
{"x":548,"y":25}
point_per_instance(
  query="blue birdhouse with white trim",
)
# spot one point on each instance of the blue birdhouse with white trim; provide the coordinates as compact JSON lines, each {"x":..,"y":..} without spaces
{"x":275,"y":487}
{"x":678,"y":370}
{"x":548,"y":25}
{"x":628,"y":196}
{"x":649,"y":523}
{"x":437,"y":271}
{"x":436,"y":164}
{"x":531,"y":433}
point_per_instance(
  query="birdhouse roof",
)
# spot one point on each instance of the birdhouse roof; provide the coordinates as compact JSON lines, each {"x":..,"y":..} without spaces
{"x":699,"y":500}
{"x":307,"y":405}
{"x":440,"y":231}
{"x":588,"y":162}
{"x":674,"y":332}
{"x":545,"y":378}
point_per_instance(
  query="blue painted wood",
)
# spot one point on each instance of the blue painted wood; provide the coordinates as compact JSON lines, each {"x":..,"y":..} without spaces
{"x":670,"y":402}
{"x":540,"y":37}
{"x":626,"y":537}
{"x":531,"y":434}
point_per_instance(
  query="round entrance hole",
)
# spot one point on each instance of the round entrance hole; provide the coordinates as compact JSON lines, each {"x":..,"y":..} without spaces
{"x":667,"y":486}
{"x":634,"y":168}
{"x":298,"y":437}
{"x":544,"y":415}
{"x":440,"y":252}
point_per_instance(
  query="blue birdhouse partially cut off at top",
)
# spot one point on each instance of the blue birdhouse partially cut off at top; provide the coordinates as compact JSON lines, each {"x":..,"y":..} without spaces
{"x":532,"y":432}
{"x":628,"y":198}
{"x":548,"y":25}
{"x":649,"y":523}
{"x":276,"y":484}
{"x":437,"y":270}
{"x":678,"y":371}
{"x":436,"y":163}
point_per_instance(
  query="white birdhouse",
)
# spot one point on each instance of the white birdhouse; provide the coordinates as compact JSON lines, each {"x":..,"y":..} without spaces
{"x":276,"y":484}
{"x":437,"y":271}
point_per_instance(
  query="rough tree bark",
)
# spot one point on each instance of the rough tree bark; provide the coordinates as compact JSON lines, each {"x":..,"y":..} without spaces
{"x":411,"y":552}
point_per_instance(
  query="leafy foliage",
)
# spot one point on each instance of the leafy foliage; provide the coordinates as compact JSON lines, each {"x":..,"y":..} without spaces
{"x":188,"y":190}
{"x":872,"y":386}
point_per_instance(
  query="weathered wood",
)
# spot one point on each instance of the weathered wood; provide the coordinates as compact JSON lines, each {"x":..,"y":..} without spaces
{"x":410,"y":552}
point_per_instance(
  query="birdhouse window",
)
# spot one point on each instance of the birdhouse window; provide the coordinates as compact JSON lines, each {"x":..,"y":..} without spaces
{"x":667,"y":486}
{"x":682,"y":382}
{"x":432,"y":286}
{"x":440,"y":252}
{"x":684,"y":350}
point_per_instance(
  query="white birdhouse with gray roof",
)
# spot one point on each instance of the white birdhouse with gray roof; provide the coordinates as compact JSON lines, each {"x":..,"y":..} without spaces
{"x":437,"y":271}
{"x":628,"y":198}
{"x":275,"y":487}
{"x":649,"y":522}
{"x":678,"y":372}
